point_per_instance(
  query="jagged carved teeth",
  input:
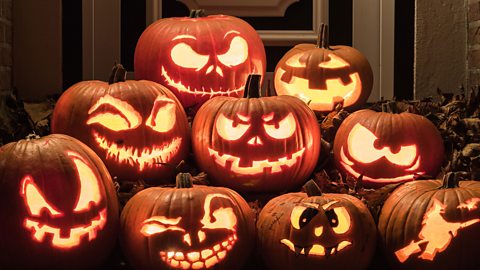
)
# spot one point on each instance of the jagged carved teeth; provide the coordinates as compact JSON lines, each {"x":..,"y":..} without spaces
{"x":199,"y":259}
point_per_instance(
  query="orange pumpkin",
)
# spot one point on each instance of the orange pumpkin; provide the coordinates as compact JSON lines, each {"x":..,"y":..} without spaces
{"x":134,"y":126}
{"x":323,"y":75}
{"x":256,"y":144}
{"x":58,"y":207}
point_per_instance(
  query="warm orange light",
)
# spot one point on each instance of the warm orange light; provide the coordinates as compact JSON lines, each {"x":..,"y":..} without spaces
{"x":470,"y":205}
{"x":34,"y":198}
{"x":436,"y":232}
{"x":294,"y":61}
{"x":185,"y":56}
{"x":163,"y":116}
{"x":89,"y":186}
{"x":160,"y":224}
{"x":285,"y":128}
{"x":343,"y":220}
{"x":316,"y":249}
{"x":122,"y":117}
{"x":227,"y":130}
{"x":224,"y":218}
{"x":237,"y":52}
{"x":334,"y":62}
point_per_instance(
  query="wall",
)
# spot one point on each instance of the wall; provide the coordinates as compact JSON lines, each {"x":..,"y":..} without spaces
{"x":5,"y":45}
{"x":474,"y":42}
{"x":440,"y":46}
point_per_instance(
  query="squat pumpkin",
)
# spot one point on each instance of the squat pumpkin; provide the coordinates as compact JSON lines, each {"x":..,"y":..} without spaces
{"x":58,"y":208}
{"x":316,"y":231}
{"x":256,"y":144}
{"x":187,"y":227}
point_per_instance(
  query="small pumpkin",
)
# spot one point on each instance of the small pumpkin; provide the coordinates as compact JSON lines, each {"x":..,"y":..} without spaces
{"x":387,"y":147}
{"x":316,"y":231}
{"x":432,"y":224}
{"x":58,"y":207}
{"x":256,"y":144}
{"x":134,"y":126}
{"x":324,"y":75}
{"x":200,"y":57}
{"x":187,"y":227}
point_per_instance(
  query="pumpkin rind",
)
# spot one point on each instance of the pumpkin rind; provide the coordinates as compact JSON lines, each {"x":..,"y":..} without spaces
{"x":51,"y":166}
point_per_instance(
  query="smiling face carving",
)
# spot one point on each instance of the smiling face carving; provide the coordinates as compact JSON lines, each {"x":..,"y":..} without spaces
{"x":113,"y":115}
{"x":88,"y":205}
{"x":195,"y":249}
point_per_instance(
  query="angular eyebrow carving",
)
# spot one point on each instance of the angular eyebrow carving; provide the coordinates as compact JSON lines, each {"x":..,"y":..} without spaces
{"x":133,"y":118}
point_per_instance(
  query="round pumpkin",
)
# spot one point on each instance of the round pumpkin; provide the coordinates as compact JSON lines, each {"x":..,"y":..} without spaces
{"x":432,"y":224}
{"x":58,"y":207}
{"x":187,"y":227}
{"x":256,"y":144}
{"x":200,"y":57}
{"x":134,"y":126}
{"x":387,"y":147}
{"x":316,"y":231}
{"x":324,"y":75}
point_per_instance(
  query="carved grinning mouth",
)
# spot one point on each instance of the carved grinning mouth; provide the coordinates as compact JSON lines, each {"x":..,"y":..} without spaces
{"x":258,"y":166}
{"x":203,"y":92}
{"x":197,"y":260}
{"x":76,"y":233}
{"x":315,"y":250}
{"x":141,"y":158}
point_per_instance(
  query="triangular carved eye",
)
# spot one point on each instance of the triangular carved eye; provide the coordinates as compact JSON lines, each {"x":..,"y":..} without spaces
{"x":35,"y":200}
{"x":163,"y":116}
{"x":89,"y":187}
{"x":237,"y":52}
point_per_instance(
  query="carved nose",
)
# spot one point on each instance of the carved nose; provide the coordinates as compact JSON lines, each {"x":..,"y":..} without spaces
{"x":255,"y":141}
{"x":217,"y":69}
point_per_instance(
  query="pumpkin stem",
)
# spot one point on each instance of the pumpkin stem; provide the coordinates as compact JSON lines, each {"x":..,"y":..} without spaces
{"x":450,"y":180}
{"x":390,"y":107}
{"x":183,"y":180}
{"x":322,"y":39}
{"x":119,"y":74}
{"x":32,"y":136}
{"x":312,"y":189}
{"x":197,"y":13}
{"x":252,"y":86}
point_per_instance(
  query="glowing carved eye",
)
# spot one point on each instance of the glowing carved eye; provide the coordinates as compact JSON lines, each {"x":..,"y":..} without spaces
{"x":162,"y":117}
{"x":34,"y":199}
{"x":294,"y":61}
{"x":339,"y":219}
{"x":334,"y":62}
{"x":283,"y":129}
{"x":236,"y":54}
{"x":160,"y":224}
{"x":89,"y":188}
{"x":223,"y":218}
{"x":301,"y":216}
{"x":227,"y":130}
{"x":123,"y":117}
{"x":361,"y":147}
{"x":183,"y":55}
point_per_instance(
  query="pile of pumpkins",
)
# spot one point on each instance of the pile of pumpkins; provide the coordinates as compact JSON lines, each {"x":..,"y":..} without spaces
{"x":59,"y":207}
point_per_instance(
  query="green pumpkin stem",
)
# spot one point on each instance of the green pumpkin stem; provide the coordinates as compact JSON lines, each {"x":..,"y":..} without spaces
{"x":252,"y":86}
{"x":183,"y":180}
{"x":197,"y":13}
{"x":450,"y":180}
{"x":390,"y":107}
{"x":322,"y":39}
{"x":119,"y":74}
{"x":312,"y":189}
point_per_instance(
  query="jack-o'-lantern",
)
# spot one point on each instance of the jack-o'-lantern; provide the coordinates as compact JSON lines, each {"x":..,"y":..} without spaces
{"x":387,"y":148}
{"x":136,"y":127}
{"x":258,"y":144}
{"x":432,"y":224}
{"x":187,"y":227}
{"x":316,"y":231}
{"x":200,"y":57}
{"x":324,"y":75}
{"x":58,"y":206}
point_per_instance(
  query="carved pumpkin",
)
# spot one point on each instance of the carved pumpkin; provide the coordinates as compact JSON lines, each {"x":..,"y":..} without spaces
{"x":386,"y":147}
{"x":58,"y":206}
{"x":187,"y":227}
{"x":432,"y":224}
{"x":134,"y":126}
{"x":316,"y":231}
{"x":200,"y":57}
{"x":323,"y":75}
{"x":256,"y":143}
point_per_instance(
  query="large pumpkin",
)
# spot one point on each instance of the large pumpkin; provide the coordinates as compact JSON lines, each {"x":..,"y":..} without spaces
{"x":58,"y":207}
{"x":200,"y":57}
{"x":387,"y":147}
{"x":323,"y":75}
{"x":316,"y":231}
{"x":432,"y":224}
{"x":187,"y":227}
{"x":257,"y":144}
{"x":134,"y":126}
